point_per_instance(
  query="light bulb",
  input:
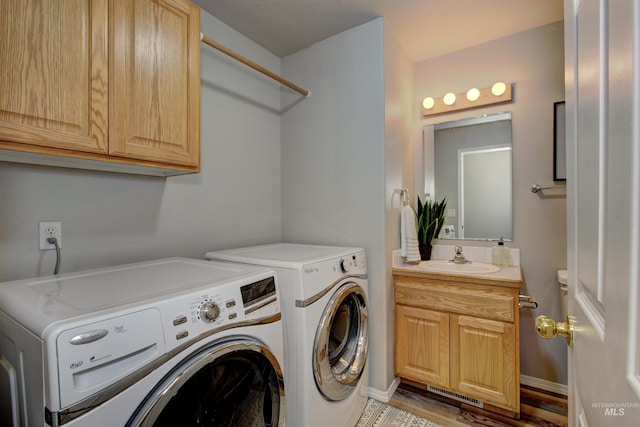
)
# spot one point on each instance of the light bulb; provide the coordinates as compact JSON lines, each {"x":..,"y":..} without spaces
{"x":473,"y":94}
{"x":498,"y":89}
{"x":449,"y":99}
{"x":428,"y":103}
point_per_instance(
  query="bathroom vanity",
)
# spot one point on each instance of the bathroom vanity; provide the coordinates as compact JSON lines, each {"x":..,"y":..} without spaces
{"x":457,"y":334}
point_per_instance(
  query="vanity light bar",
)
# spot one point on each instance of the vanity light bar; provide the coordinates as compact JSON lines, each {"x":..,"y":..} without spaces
{"x":473,"y":98}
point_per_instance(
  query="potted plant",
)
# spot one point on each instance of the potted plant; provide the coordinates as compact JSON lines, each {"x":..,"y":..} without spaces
{"x":431,"y":216}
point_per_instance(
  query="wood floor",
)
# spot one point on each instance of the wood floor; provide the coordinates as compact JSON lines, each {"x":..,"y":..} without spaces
{"x":537,"y":408}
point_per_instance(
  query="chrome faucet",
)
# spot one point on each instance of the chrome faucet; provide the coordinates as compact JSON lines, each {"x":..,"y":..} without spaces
{"x":458,"y":258}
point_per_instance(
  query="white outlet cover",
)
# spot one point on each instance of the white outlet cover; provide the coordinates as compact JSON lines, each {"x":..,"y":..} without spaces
{"x":42,"y":234}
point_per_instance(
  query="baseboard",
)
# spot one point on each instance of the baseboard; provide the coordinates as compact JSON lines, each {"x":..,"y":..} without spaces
{"x":544,"y":385}
{"x":384,"y":396}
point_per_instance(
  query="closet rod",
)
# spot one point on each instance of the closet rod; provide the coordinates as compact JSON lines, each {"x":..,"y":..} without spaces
{"x":214,"y":44}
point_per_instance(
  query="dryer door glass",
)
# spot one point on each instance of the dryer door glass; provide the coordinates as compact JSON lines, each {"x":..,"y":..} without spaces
{"x":236,"y":384}
{"x":340,"y":347}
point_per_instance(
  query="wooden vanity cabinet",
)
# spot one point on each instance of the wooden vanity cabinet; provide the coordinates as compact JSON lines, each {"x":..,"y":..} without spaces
{"x":459,"y":334}
{"x":422,"y":345}
{"x":102,"y":84}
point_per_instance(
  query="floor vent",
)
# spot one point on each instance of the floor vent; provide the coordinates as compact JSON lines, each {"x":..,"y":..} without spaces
{"x":459,"y":397}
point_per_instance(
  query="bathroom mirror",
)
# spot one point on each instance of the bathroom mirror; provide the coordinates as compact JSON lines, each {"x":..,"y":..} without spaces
{"x":469,"y":162}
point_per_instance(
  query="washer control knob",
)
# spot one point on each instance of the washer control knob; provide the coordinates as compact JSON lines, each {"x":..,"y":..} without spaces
{"x":209,"y":311}
{"x":345,"y":266}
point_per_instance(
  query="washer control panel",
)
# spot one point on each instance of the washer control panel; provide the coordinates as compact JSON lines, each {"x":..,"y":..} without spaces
{"x":210,"y":308}
{"x":221,"y":308}
{"x":209,"y":311}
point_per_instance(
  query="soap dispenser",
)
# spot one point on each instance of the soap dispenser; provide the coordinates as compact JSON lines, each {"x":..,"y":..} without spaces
{"x":500,"y":255}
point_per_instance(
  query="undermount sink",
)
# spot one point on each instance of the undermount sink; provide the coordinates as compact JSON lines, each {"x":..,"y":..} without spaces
{"x":444,"y":266}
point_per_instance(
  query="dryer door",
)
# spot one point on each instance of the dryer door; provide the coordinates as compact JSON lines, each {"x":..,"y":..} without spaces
{"x":237,"y":383}
{"x":340,"y":347}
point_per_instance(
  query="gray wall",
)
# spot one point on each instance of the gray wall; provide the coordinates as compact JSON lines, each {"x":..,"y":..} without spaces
{"x":333,"y":159}
{"x":399,"y":169}
{"x":110,"y":218}
{"x":346,"y":150}
{"x":533,"y":61}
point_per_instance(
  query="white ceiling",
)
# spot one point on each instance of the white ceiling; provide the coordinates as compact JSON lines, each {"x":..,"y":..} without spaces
{"x":424,"y":28}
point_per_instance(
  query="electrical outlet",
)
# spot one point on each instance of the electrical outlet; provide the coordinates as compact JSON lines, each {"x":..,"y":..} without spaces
{"x":50,"y":229}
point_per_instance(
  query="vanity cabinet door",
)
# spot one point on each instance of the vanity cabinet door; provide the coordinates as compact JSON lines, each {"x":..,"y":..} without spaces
{"x":155,"y":92}
{"x":422,"y":345}
{"x":484,"y":360}
{"x":53,"y":75}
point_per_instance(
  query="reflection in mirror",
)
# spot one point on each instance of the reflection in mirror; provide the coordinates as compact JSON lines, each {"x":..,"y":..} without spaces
{"x":469,"y":162}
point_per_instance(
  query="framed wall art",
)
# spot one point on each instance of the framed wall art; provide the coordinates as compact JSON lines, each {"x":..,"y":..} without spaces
{"x":559,"y":142}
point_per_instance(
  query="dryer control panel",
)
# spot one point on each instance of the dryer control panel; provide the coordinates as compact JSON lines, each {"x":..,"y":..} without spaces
{"x":352,"y":264}
{"x":318,"y":275}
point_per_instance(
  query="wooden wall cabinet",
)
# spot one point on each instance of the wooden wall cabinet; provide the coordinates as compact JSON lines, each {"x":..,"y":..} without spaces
{"x":109,"y":85}
{"x":459,"y":334}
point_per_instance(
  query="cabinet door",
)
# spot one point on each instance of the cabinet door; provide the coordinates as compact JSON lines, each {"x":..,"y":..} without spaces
{"x":155,"y":94}
{"x":53,"y":75}
{"x":483,"y":360}
{"x":422,"y":345}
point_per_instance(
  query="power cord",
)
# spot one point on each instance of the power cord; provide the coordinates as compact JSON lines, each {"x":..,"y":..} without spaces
{"x":54,"y":242}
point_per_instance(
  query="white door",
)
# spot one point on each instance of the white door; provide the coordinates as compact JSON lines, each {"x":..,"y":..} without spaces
{"x":602,"y":45}
{"x":484,"y":189}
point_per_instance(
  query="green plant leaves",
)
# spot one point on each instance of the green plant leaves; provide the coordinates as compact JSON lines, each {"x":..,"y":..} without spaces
{"x":431,"y":217}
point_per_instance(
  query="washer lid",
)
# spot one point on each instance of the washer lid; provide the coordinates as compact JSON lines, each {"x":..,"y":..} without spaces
{"x":40,"y":302}
{"x":284,"y":255}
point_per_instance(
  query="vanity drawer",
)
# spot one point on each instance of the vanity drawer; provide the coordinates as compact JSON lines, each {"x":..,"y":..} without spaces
{"x":489,"y":302}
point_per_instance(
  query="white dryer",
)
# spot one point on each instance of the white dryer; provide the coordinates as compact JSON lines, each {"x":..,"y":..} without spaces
{"x":324,"y":294}
{"x":164,"y":343}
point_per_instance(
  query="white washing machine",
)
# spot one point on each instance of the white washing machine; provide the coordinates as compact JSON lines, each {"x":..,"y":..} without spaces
{"x":324,"y":297}
{"x":164,"y":343}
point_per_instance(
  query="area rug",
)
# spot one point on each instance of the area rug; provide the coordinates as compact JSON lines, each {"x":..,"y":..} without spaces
{"x":378,"y":414}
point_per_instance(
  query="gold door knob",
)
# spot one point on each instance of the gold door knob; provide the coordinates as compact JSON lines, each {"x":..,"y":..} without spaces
{"x":547,"y":328}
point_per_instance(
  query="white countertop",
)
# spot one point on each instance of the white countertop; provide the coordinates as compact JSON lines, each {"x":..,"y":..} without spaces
{"x":512,"y":274}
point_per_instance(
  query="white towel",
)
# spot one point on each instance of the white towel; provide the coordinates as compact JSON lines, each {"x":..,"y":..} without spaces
{"x":409,"y":236}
